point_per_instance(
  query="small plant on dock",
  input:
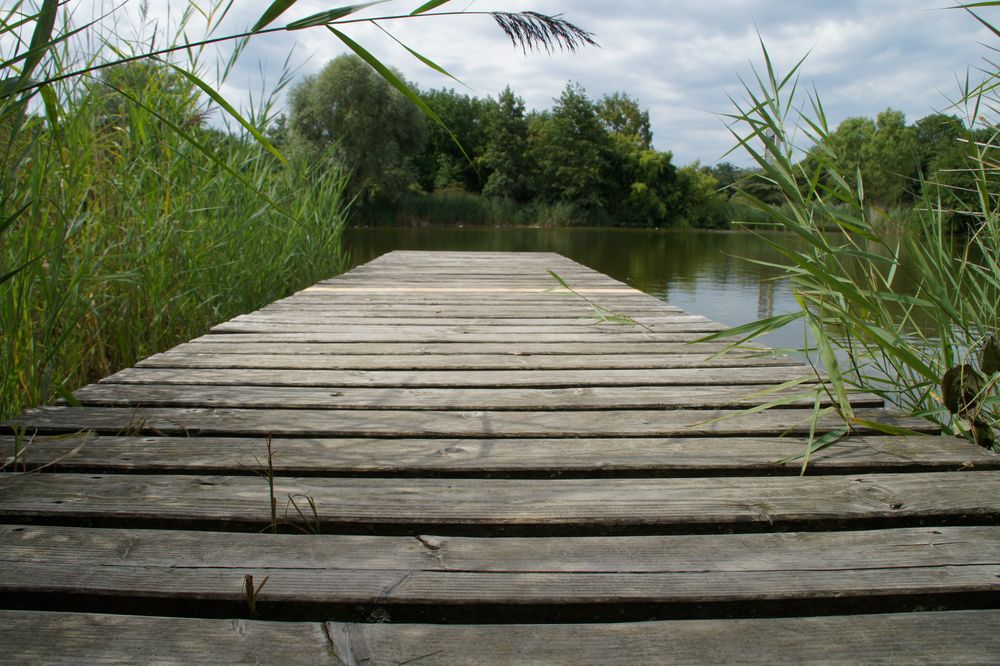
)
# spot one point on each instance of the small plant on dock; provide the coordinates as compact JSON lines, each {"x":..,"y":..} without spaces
{"x":267,"y":471}
{"x":602,"y":314}
{"x":310,"y":524}
{"x":18,"y":461}
{"x":908,"y":314}
{"x":251,"y":592}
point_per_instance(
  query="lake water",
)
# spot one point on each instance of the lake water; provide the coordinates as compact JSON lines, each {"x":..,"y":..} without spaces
{"x":702,"y":272}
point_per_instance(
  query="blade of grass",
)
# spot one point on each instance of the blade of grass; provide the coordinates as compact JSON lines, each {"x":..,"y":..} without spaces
{"x":428,"y":6}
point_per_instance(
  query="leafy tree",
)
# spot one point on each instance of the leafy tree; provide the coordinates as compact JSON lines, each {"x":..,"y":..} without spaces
{"x":571,"y":149}
{"x":885,"y":153}
{"x":699,"y":203}
{"x":349,"y":109}
{"x":936,"y":134}
{"x":849,"y":142}
{"x":507,"y":141}
{"x":442,"y":163}
{"x":961,"y":175}
{"x":891,"y":161}
{"x":642,"y":184}
{"x":727,"y":174}
{"x":621,"y":116}
{"x":653,"y":189}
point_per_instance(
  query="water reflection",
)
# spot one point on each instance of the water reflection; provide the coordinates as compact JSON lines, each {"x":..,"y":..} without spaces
{"x":706,"y":273}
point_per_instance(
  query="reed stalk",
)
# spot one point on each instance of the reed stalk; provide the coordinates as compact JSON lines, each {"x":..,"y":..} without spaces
{"x":904,"y":306}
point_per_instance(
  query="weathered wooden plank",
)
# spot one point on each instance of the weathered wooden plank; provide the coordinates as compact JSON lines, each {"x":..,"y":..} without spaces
{"x":454,"y":316}
{"x":594,"y":457}
{"x":456,"y":277}
{"x":452,"y":362}
{"x":513,"y":342}
{"x":535,"y":299}
{"x":236,"y":344}
{"x":958,"y":637}
{"x":327,"y":571}
{"x":462,"y":271}
{"x":36,"y":637}
{"x":449,"y":288}
{"x":582,"y":333}
{"x":541,"y":270}
{"x":734,"y":376}
{"x":482,"y":266}
{"x":573,"y":321}
{"x":558,"y":309}
{"x":723,"y":554}
{"x":556,"y":399}
{"x":440,"y":423}
{"x":475,"y":268}
{"x":512,"y":506}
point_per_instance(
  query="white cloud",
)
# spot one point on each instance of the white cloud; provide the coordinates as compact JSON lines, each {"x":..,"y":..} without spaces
{"x":680,"y":59}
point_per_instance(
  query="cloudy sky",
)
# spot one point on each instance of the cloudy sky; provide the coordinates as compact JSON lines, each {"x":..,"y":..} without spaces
{"x":681,"y":59}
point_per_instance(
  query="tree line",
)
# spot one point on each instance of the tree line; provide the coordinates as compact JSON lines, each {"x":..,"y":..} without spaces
{"x":595,"y":156}
{"x":899,"y":163}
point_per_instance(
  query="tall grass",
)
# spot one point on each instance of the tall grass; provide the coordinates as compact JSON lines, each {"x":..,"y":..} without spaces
{"x":126,"y":224}
{"x":905,"y":308}
{"x":131,"y":226}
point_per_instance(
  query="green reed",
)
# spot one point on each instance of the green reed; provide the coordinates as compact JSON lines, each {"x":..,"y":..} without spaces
{"x":904,"y":305}
{"x":129,"y":225}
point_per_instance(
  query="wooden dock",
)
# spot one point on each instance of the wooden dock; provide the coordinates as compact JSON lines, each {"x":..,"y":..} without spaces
{"x":469,"y":464}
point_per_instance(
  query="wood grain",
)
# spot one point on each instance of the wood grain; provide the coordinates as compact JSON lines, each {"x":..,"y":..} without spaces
{"x":956,"y":637}
{"x":439,"y":423}
{"x":235,"y":344}
{"x":418,"y":504}
{"x":486,"y":333}
{"x":179,"y":359}
{"x":35,"y":637}
{"x":470,"y":399}
{"x":961,"y":637}
{"x":333,"y":570}
{"x":732,"y":376}
{"x":583,"y":457}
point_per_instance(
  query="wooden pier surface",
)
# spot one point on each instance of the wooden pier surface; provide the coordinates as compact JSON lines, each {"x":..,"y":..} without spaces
{"x":469,"y":464}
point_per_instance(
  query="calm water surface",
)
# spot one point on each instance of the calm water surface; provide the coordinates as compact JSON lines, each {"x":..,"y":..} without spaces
{"x":706,"y":273}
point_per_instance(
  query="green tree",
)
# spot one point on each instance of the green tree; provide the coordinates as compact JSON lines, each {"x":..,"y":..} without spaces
{"x":622,"y":117}
{"x":891,"y":161}
{"x":883,"y":151}
{"x":936,"y":134}
{"x":849,"y":142}
{"x":441,"y":163}
{"x":958,"y":172}
{"x":571,"y":149}
{"x":505,"y":159}
{"x":652,"y":188}
{"x":642,"y":184}
{"x":699,"y":204}
{"x":348,"y":109}
{"x":727,"y":174}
